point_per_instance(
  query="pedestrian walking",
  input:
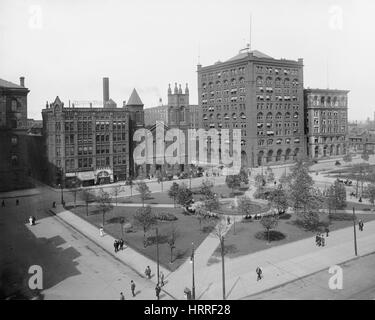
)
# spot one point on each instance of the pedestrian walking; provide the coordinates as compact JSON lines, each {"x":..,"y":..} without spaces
{"x":54,"y":204}
{"x":17,"y":202}
{"x":228,"y":220}
{"x":322,"y":239}
{"x":148,"y":272}
{"x":259,"y":273}
{"x":31,"y":220}
{"x":116,"y":244}
{"x":157,"y":291}
{"x":360,"y":225}
{"x":132,"y":287}
{"x":121,"y":244}
{"x":318,"y":239}
{"x":161,"y":276}
{"x":101,"y":231}
{"x":122,"y":297}
{"x":3,"y":203}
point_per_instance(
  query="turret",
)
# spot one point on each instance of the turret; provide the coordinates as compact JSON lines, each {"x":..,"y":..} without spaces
{"x":186,"y":89}
{"x":169,"y":89}
{"x":175,"y":88}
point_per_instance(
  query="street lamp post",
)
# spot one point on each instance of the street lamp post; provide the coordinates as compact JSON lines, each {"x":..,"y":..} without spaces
{"x":62,"y":193}
{"x":193,"y":272}
{"x":355,"y":234}
{"x":157,"y":253}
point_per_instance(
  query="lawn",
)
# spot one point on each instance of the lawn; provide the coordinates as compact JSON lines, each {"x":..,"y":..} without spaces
{"x":162,"y":197}
{"x":244,"y":240}
{"x":188,"y":229}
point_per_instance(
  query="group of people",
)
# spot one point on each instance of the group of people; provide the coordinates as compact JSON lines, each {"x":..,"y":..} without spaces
{"x":320,"y":240}
{"x":32,"y":220}
{"x":118,"y":245}
{"x":148,"y":274}
{"x":3,"y":203}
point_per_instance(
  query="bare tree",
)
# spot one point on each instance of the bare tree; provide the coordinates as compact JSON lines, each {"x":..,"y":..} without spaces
{"x":173,"y":235}
{"x":104,"y":203}
{"x":269,"y":222}
{"x":87,"y":197}
{"x":116,"y":191}
{"x":220,"y":231}
{"x":146,"y":219}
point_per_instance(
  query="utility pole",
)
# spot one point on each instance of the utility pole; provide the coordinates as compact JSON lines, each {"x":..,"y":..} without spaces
{"x":157,"y":252}
{"x":193,"y":271}
{"x":222,"y":263}
{"x":355,"y":234}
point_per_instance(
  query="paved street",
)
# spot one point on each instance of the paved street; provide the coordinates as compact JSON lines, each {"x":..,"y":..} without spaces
{"x":358,"y":283}
{"x":73,"y":266}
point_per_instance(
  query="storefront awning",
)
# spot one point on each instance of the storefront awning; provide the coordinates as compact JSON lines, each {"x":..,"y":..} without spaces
{"x":87,"y":175}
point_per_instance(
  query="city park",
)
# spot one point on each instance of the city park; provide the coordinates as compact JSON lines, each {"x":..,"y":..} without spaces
{"x":248,"y":212}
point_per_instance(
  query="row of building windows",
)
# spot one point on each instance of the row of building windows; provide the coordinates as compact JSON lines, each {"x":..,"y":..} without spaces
{"x":286,"y":82}
{"x":242,"y":116}
{"x":278,"y":132}
{"x":262,"y":142}
{"x":278,"y":116}
{"x":276,"y":70}
{"x":270,"y":106}
{"x":223,"y":74}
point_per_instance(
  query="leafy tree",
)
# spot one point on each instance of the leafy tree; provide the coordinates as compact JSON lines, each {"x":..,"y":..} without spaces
{"x":370,"y":193}
{"x":87,"y":197}
{"x":233,"y":182}
{"x":270,"y":177}
{"x":260,"y":181}
{"x":104,"y":203}
{"x":365,"y":156}
{"x":212,"y":204}
{"x":173,"y":191}
{"x":347,"y":157}
{"x":145,"y":218}
{"x":278,"y":199}
{"x":116,"y":191}
{"x":184,"y":195}
{"x":244,"y":205}
{"x":269,"y":222}
{"x":144,"y":191}
{"x":336,"y":196}
{"x":243,"y":176}
{"x":206,"y":189}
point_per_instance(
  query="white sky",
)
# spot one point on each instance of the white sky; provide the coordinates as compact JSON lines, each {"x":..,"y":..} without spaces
{"x":71,"y":45}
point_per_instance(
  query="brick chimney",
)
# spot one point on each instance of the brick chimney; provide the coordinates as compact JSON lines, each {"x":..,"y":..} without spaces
{"x":22,"y":81}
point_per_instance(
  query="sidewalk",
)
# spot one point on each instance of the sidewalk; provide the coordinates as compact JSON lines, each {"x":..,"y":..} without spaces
{"x":19,"y":193}
{"x":134,"y":260}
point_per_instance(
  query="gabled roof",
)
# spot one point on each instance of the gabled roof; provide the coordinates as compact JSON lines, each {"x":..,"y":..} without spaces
{"x":134,"y":99}
{"x":57,"y":101}
{"x":7,"y":84}
{"x":255,"y":53}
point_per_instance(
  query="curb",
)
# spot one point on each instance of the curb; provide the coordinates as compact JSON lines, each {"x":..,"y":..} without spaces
{"x":104,"y":249}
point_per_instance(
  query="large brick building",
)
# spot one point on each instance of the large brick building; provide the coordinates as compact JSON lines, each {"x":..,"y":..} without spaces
{"x":326,"y":122}
{"x":261,"y":96}
{"x":14,"y":165}
{"x":91,"y":144}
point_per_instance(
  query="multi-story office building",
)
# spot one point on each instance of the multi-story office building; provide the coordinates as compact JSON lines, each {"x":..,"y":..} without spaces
{"x":159,"y":113}
{"x":261,"y":96}
{"x":326,"y":122}
{"x":14,"y":164}
{"x":91,"y":144}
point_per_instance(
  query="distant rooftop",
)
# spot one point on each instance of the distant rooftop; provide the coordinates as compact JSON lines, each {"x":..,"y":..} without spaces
{"x":8,"y":84}
{"x":255,"y":53}
{"x":134,"y":99}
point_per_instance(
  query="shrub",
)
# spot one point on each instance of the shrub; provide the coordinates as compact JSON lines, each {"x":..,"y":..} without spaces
{"x":273,"y":235}
{"x":340,"y":216}
{"x":166,"y":216}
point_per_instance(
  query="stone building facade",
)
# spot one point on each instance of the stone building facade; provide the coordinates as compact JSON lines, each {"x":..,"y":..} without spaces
{"x":326,"y":122}
{"x":261,"y":96}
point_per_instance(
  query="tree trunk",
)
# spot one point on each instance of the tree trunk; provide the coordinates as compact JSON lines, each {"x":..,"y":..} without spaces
{"x":103,"y":217}
{"x":268,"y":235}
{"x":222,"y":265}
{"x":171,"y":255}
{"x":87,"y":209}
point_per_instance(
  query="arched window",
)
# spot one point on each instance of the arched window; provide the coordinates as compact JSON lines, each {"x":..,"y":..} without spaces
{"x":287,"y":116}
{"x":322,"y":100}
{"x":205,"y":117}
{"x":234,"y":116}
{"x":269,"y":81}
{"x":260,"y":116}
{"x":286,"y":82}
{"x":269,"y":116}
{"x":233,"y":82}
{"x":295,"y":115}
{"x":278,"y":82}
{"x":182,"y":114}
{"x":259,"y":81}
{"x":279,"y":116}
{"x":218,"y":84}
{"x":243,"y":116}
{"x":295,"y":83}
{"x":269,"y":156}
{"x":218,"y":116}
{"x":226,"y":117}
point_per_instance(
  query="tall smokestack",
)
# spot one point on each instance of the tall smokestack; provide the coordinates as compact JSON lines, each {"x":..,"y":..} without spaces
{"x":22,"y":81}
{"x":105,"y":90}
